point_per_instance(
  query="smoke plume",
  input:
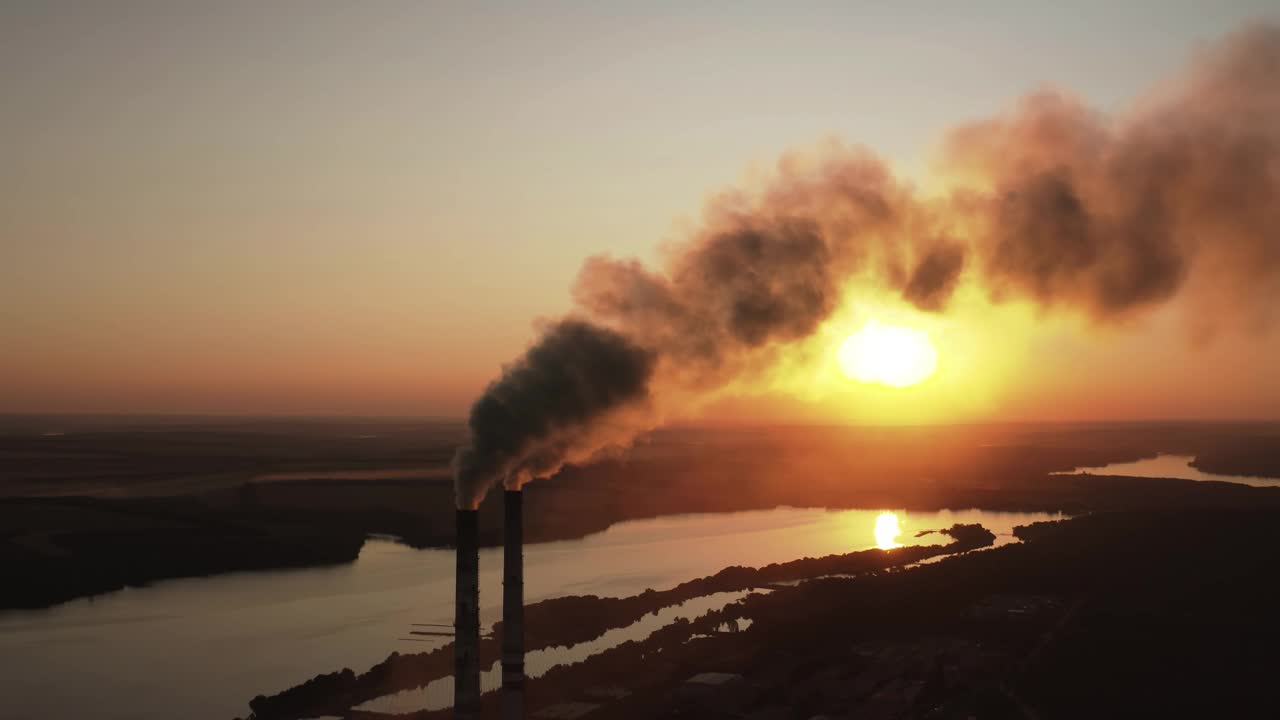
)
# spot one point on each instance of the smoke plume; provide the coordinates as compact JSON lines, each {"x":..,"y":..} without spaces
{"x":551,"y":406}
{"x":1116,"y":216}
{"x":1054,"y":203}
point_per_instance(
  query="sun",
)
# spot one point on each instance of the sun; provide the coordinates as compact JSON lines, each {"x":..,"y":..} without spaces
{"x":888,"y":354}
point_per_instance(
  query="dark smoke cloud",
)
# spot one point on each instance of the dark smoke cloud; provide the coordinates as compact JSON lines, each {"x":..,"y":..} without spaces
{"x":548,"y":408}
{"x":935,"y":278}
{"x":1060,"y":205}
{"x":748,"y":285}
{"x":1117,"y":216}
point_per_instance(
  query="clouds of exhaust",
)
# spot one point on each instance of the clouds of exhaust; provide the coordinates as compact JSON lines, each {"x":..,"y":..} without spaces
{"x":551,"y":407}
{"x":1061,"y":206}
{"x":1114,"y":216}
{"x":765,"y":271}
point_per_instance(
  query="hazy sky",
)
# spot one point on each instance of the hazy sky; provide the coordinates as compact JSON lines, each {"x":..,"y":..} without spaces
{"x":361,"y":207}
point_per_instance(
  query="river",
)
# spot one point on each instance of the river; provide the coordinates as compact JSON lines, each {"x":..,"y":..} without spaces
{"x":200,"y":648}
{"x":1172,"y":466}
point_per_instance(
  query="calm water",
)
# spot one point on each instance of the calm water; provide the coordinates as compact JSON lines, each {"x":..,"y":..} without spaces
{"x":201,"y":648}
{"x":1172,"y":466}
{"x":438,"y":694}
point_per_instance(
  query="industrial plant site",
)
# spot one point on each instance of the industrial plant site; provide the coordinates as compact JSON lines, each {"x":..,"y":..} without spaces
{"x":751,"y":572}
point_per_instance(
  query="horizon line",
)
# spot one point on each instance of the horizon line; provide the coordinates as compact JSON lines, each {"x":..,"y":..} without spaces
{"x":701,"y":423}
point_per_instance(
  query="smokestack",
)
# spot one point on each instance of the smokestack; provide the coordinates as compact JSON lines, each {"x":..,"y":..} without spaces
{"x":466,"y":624}
{"x":513,"y":608}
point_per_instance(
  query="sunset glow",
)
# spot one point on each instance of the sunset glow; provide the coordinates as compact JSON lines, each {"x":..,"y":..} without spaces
{"x":711,"y":355}
{"x":347,"y":247}
{"x":887,"y":354}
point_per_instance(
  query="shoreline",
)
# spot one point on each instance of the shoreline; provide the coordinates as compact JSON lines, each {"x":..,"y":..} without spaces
{"x":570,"y":620}
{"x":137,"y":542}
{"x":1007,"y":632}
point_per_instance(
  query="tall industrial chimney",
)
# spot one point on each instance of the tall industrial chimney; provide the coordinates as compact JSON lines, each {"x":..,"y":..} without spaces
{"x":513,"y":607}
{"x":466,"y":624}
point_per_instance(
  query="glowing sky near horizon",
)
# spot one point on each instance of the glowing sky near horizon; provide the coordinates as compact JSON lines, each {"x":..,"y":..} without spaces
{"x":330,"y":207}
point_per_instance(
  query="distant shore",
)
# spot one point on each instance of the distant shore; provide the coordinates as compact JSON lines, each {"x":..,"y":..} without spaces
{"x":284,"y":495}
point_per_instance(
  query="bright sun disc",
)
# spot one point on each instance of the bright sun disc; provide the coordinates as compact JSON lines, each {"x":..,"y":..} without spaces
{"x":888,"y":354}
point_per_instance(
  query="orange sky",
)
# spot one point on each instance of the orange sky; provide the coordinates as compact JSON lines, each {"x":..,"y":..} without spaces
{"x":333,"y":209}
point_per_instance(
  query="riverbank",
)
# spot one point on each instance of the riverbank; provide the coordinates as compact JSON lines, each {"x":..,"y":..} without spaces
{"x":1114,"y":615}
{"x":58,"y":549}
{"x":272,"y":495}
{"x":212,"y":643}
{"x":248,"y":502}
{"x":571,"y":620}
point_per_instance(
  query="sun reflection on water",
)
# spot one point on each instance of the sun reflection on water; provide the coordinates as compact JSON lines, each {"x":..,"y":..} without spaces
{"x":887,"y":531}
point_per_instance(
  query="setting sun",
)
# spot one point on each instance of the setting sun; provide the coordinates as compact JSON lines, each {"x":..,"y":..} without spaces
{"x":888,"y":354}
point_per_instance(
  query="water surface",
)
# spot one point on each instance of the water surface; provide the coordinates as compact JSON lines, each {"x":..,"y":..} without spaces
{"x":1172,"y":466}
{"x":201,"y":648}
{"x":438,"y":694}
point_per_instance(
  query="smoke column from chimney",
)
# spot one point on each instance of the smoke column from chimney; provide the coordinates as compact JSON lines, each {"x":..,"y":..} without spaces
{"x":1052,"y":202}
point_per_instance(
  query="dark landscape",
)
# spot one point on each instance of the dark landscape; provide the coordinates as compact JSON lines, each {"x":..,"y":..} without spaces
{"x":106,"y":504}
{"x":1169,"y":570}
{"x":1112,"y":615}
